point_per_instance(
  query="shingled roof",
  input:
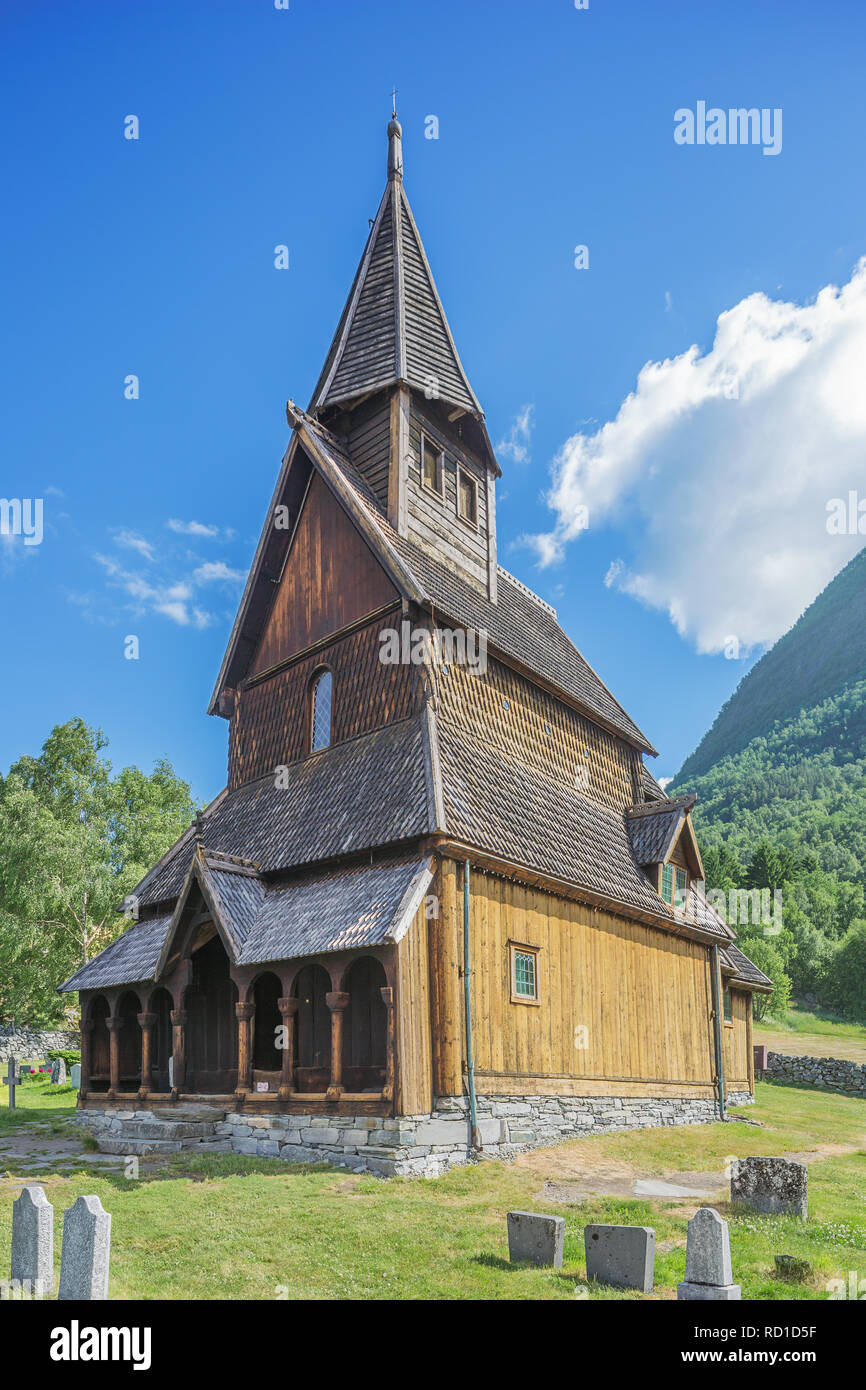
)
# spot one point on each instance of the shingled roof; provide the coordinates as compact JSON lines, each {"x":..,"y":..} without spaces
{"x":745,"y":970}
{"x":309,"y":915}
{"x":393,"y":327}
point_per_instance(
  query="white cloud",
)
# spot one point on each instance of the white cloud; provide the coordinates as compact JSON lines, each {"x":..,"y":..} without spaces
{"x":133,"y":541}
{"x":172,"y":600}
{"x":722,"y":466}
{"x":516,"y":443}
{"x":216,"y":571}
{"x":192,"y":528}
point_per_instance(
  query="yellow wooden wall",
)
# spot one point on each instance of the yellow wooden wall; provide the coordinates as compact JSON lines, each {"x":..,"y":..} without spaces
{"x":736,"y":1043}
{"x":642,"y":995}
{"x":414,"y":1048}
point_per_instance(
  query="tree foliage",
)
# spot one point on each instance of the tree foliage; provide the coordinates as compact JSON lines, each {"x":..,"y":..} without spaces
{"x":75,"y":842}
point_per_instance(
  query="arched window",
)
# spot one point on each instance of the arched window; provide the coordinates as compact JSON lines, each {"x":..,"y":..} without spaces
{"x":320,"y":717}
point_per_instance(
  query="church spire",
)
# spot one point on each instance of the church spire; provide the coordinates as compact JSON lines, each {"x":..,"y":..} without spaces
{"x":395,"y":142}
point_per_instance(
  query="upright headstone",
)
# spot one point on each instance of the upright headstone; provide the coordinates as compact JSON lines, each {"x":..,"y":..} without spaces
{"x":12,"y":1079}
{"x":535,"y":1239}
{"x":171,"y":1072}
{"x":58,"y":1072}
{"x":775,"y":1186}
{"x":85,"y":1253}
{"x":75,"y":1075}
{"x":623,"y":1256}
{"x":708,"y":1260}
{"x":33,"y":1241}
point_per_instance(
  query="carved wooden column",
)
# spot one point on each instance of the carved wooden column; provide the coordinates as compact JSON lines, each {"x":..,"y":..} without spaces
{"x":244,"y":1012}
{"x":146,"y":1022}
{"x":337,"y":1001}
{"x":288,"y":1008}
{"x":87,"y":1025}
{"x":387,"y":994}
{"x":178,"y":1051}
{"x":114,"y":1026}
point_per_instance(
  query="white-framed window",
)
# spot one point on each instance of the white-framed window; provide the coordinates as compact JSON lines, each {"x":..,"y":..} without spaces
{"x":467,"y":497}
{"x":524,"y":973}
{"x":432,"y":466}
{"x":321,"y":703}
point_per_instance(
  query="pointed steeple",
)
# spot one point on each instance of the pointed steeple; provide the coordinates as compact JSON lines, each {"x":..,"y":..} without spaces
{"x":393,"y":328}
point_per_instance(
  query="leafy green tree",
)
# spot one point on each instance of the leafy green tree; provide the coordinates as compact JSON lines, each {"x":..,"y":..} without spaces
{"x":75,"y":843}
{"x":846,"y":974}
{"x":722,"y":868}
{"x":767,"y":958}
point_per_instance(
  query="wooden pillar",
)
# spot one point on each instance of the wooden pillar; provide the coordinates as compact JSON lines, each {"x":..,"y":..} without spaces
{"x":244,"y":1012}
{"x":114,"y":1026}
{"x":445,"y":945}
{"x":146,"y":1023}
{"x":387,"y":994}
{"x":288,"y":1008}
{"x":337,"y":1001}
{"x":178,"y":1051}
{"x":87,"y":1025}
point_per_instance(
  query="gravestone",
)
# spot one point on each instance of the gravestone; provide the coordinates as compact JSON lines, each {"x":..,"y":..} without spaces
{"x":12,"y":1079}
{"x":708,"y":1260}
{"x":775,"y":1186}
{"x":85,"y":1252}
{"x":535,"y":1239}
{"x":33,"y":1241}
{"x":623,"y":1256}
{"x":171,"y":1073}
{"x":58,"y":1072}
{"x":75,"y":1075}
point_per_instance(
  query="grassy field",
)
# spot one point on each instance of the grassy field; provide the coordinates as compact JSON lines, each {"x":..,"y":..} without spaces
{"x":802,"y":1034}
{"x":229,"y":1227}
{"x":35,"y":1100}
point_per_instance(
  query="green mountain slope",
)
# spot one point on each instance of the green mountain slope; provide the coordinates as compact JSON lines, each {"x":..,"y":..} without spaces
{"x":824,"y":651}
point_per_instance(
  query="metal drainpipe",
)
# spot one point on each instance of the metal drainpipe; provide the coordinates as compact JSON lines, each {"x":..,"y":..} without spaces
{"x":717,"y":1014}
{"x":475,"y":1137}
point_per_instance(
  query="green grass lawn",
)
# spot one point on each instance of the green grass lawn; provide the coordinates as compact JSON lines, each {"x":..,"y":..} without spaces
{"x":800,"y":1033}
{"x":225,"y":1226}
{"x":35,"y":1100}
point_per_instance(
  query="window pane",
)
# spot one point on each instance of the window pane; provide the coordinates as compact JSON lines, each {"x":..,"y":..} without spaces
{"x":321,"y":712}
{"x":668,"y":883}
{"x":466,"y":496}
{"x":682,"y":883}
{"x":432,"y":465}
{"x":729,"y":1017}
{"x":524,"y":974}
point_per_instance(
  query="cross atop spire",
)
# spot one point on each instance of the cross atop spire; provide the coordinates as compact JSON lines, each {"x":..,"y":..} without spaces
{"x":395,"y":144}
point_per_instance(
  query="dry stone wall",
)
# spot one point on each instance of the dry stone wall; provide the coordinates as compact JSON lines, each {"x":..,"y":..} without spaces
{"x":26,"y":1044}
{"x":823,"y":1073}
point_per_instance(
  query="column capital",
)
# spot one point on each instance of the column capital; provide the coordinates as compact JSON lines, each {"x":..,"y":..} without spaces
{"x":178,"y":1017}
{"x":244,"y":1011}
{"x":337,"y":1000}
{"x":288,"y":1007}
{"x":387,"y":994}
{"x":147,"y":1020}
{"x":114,"y":1024}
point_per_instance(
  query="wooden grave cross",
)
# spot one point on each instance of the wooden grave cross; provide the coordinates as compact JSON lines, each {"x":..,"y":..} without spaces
{"x":12,"y":1079}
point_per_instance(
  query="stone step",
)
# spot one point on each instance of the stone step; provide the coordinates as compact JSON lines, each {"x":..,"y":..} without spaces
{"x":191,"y":1113}
{"x":165,"y":1129}
{"x":118,"y":1145}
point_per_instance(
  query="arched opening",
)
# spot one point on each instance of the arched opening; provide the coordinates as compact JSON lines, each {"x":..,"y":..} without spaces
{"x":365,"y":1026}
{"x":321,"y":703}
{"x":212,"y":1030}
{"x":267,"y":1057}
{"x":161,"y":1005}
{"x":99,"y":1047}
{"x":129,"y":1043}
{"x":313,"y":1029}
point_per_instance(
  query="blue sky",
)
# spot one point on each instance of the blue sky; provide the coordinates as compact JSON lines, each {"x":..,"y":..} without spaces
{"x":260,"y":127}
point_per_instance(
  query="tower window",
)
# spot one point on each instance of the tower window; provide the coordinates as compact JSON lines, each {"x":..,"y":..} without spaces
{"x":668,"y":882}
{"x":467,"y":497}
{"x":432,"y":459}
{"x":320,"y":720}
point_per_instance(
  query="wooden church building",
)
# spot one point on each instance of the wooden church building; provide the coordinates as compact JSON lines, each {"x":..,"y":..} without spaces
{"x":441,"y":908}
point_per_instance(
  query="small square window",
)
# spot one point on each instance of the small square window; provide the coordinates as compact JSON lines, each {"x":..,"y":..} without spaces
{"x":467,"y":497}
{"x":431,"y":465}
{"x":524,"y":974}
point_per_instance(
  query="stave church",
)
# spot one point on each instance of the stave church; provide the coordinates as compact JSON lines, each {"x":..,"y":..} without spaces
{"x":442,"y":908}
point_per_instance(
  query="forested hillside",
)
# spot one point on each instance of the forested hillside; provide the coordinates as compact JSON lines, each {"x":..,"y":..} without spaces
{"x":781,"y":784}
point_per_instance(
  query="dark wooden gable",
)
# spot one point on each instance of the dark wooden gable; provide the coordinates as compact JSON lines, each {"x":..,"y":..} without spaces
{"x":331,"y":579}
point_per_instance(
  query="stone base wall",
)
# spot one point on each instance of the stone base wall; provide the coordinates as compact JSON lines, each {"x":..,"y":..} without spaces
{"x":25,"y":1045}
{"x":823,"y":1073}
{"x":407,"y":1145}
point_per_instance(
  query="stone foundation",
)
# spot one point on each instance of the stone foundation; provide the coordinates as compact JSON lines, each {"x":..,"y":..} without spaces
{"x":410,"y":1145}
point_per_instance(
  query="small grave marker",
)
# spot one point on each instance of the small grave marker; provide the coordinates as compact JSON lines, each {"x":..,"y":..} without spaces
{"x":775,"y":1186}
{"x":85,"y":1253}
{"x":75,"y":1075}
{"x":58,"y":1072}
{"x":33,"y":1241}
{"x":623,"y":1256}
{"x":535,"y":1239}
{"x":708,"y":1260}
{"x":12,"y":1079}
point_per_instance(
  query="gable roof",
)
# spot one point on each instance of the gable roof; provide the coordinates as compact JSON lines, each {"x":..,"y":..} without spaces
{"x":393,"y":326}
{"x":337,"y":910}
{"x":520,"y":626}
{"x":744,"y":970}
